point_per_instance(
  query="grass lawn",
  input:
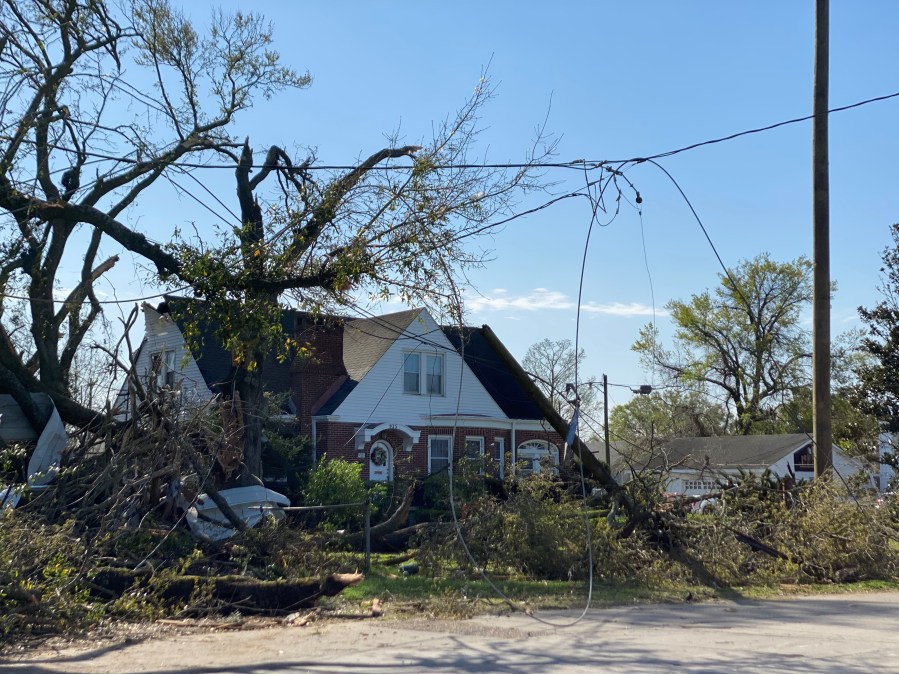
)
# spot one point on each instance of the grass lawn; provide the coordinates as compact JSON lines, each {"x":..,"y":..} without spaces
{"x":466,"y":596}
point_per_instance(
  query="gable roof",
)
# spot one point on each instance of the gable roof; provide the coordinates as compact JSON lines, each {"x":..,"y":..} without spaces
{"x":741,"y":451}
{"x":493,"y":372}
{"x":365,"y":340}
{"x":215,"y":362}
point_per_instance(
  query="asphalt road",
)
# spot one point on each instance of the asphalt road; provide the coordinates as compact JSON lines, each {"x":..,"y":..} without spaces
{"x":840,"y":633}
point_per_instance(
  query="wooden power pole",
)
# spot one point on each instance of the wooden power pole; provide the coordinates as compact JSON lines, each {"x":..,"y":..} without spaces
{"x":821,"y":399}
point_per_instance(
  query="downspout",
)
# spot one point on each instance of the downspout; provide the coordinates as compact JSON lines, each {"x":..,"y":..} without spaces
{"x":314,"y":443}
{"x":514,"y":450}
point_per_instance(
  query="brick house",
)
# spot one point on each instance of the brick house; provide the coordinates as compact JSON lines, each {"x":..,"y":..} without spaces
{"x":398,"y":393}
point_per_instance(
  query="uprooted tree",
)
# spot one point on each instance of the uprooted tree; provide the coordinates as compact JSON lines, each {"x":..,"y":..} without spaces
{"x":83,"y":139}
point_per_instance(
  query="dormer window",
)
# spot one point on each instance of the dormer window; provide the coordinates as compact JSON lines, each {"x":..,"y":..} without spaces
{"x":423,"y":373}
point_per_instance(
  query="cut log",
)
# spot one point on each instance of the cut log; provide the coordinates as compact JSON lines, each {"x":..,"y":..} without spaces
{"x":235,"y":592}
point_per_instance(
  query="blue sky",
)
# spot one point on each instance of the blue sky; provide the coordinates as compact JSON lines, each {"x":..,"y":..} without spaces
{"x":618,"y":80}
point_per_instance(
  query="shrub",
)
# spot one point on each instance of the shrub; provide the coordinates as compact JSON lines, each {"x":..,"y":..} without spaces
{"x":337,"y":482}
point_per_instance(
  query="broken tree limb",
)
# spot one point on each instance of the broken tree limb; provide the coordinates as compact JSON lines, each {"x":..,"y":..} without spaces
{"x":212,"y":492}
{"x":395,"y":522}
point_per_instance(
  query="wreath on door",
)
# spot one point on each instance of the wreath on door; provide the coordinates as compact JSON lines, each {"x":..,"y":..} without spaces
{"x":379,"y":456}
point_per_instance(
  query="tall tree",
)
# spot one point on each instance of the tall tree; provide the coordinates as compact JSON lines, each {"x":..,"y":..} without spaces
{"x":553,"y":365}
{"x":744,"y":342}
{"x":646,"y":421}
{"x":76,"y":96}
{"x":83,"y":138}
{"x":877,"y":391}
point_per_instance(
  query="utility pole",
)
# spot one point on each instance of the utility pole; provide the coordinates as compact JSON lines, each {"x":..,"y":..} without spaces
{"x":605,"y":417}
{"x":821,"y":398}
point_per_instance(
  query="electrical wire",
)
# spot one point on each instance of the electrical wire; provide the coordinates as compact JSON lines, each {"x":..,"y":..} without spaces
{"x":577,"y":164}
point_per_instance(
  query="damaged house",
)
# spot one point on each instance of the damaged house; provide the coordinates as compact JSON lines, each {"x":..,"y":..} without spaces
{"x":398,"y":393}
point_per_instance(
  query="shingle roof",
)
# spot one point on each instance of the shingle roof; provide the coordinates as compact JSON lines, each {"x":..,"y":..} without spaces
{"x":365,"y":340}
{"x":214,"y":360}
{"x":331,"y":405}
{"x":742,"y":451}
{"x":493,"y":373}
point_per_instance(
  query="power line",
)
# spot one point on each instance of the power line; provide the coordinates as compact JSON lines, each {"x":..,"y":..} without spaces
{"x":7,"y":296}
{"x":577,"y":164}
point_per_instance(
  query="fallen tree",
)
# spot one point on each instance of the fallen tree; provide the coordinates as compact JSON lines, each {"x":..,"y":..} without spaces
{"x":224,"y":593}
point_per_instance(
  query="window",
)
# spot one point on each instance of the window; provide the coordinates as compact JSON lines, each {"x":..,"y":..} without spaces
{"x":434,"y":373}
{"x":499,"y":449}
{"x":499,"y":456}
{"x":699,"y":485}
{"x":804,"y":460}
{"x":412,"y":373}
{"x":438,"y":452}
{"x":533,"y":453}
{"x":423,"y":372}
{"x":474,"y":452}
{"x":163,"y":366}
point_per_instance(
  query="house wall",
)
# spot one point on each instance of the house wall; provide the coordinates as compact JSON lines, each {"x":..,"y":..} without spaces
{"x":312,"y":377}
{"x":380,"y":397}
{"x":683,"y":481}
{"x":163,"y":335}
{"x":338,"y":440}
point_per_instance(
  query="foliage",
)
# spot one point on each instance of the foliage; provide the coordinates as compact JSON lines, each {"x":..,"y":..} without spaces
{"x":339,"y":482}
{"x":530,"y":534}
{"x":821,"y":533}
{"x":286,"y":456}
{"x":877,"y":391}
{"x":647,"y":420}
{"x":468,"y":484}
{"x":744,"y":342}
{"x":552,"y":365}
{"x":43,"y":585}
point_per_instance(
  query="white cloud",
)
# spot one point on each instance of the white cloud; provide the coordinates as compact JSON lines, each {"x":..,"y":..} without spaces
{"x":620,"y":309}
{"x":501,"y":300}
{"x":543,"y":299}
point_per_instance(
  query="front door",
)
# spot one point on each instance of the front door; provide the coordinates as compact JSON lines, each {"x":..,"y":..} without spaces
{"x":380,"y":460}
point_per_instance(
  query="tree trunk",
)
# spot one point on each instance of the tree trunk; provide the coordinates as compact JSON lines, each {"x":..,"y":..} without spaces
{"x":253,"y":401}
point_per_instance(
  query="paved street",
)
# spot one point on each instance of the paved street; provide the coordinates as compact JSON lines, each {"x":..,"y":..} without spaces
{"x":845,"y":633}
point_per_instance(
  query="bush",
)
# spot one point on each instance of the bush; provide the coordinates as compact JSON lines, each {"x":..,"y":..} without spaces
{"x":337,"y":482}
{"x":533,"y":533}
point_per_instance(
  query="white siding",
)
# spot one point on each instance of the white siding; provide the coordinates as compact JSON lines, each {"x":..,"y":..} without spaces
{"x":162,"y":334}
{"x":379,"y":396}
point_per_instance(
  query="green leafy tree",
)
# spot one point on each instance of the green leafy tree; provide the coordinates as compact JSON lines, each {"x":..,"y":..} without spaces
{"x":646,"y":421}
{"x":877,"y":391}
{"x":853,"y":429}
{"x":744,"y":342}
